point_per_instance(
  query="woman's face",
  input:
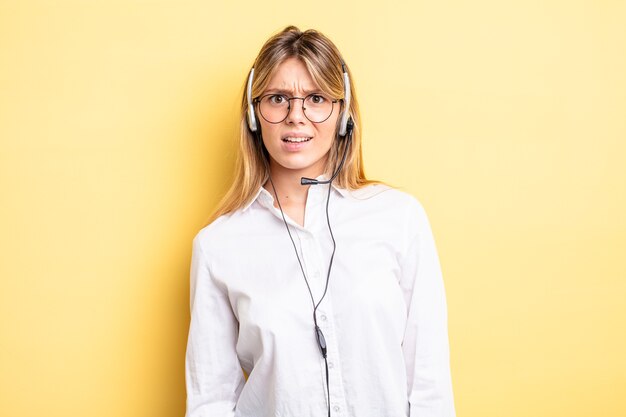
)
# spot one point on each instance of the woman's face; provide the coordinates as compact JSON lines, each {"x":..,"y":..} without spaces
{"x":296,"y":144}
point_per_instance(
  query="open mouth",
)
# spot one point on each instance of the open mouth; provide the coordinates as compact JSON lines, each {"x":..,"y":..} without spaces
{"x":296,"y":140}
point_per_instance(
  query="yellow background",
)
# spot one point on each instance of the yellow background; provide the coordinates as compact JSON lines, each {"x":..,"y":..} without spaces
{"x":117,"y":128}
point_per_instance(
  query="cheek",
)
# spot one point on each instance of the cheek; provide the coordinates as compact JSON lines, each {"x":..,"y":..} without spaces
{"x":270,"y":134}
{"x":327,"y":137}
{"x":327,"y":132}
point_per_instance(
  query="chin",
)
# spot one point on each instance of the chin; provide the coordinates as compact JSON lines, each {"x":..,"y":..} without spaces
{"x":295,"y":166}
{"x":297,"y":163}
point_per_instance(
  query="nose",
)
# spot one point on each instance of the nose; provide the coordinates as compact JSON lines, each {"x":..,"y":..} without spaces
{"x":296,"y":111}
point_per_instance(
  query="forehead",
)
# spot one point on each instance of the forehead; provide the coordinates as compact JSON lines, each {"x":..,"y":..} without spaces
{"x":292,"y":75}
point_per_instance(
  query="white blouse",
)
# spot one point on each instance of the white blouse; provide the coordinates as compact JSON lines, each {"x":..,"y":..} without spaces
{"x":384,"y":317}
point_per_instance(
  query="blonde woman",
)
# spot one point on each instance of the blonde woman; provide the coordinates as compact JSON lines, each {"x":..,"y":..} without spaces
{"x":314,"y":291}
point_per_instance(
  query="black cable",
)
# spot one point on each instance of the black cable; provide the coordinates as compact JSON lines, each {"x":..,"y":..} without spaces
{"x":321,"y":341}
{"x":327,"y":385}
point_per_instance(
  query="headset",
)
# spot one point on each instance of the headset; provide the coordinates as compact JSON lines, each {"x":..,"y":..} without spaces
{"x":345,"y":119}
{"x":346,"y":126}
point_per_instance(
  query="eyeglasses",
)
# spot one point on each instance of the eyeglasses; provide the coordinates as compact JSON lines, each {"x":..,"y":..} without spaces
{"x":274,"y":108}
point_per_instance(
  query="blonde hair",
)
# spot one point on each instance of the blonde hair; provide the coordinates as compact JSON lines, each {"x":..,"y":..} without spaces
{"x":323,"y":61}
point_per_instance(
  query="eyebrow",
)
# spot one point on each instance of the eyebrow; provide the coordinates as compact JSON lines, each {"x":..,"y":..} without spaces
{"x":288,"y":92}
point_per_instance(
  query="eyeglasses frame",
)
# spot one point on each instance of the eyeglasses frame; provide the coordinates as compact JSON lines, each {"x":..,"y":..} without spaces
{"x":258,"y":102}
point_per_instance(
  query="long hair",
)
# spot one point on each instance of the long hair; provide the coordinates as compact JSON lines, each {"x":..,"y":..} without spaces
{"x":323,"y":61}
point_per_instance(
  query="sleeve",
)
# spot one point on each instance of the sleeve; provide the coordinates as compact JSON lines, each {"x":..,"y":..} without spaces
{"x":425,"y":345}
{"x":213,"y":375}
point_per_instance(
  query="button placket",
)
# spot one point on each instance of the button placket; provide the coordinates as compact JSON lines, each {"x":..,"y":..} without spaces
{"x":316,"y":220}
{"x":325,"y":321}
{"x":310,"y":246}
{"x":314,"y":208}
{"x":302,"y":239}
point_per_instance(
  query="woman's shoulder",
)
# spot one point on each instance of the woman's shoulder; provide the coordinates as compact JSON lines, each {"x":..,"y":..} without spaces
{"x":222,"y":229}
{"x":392,"y":203}
{"x":386,"y":195}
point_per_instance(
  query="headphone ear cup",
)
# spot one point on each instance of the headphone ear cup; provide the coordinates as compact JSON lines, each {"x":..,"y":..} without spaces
{"x":252,"y":124}
{"x":342,"y":128}
{"x":349,"y":127}
{"x":347,"y":96}
{"x":251,"y":115}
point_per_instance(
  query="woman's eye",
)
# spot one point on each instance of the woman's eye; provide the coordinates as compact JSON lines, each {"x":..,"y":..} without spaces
{"x":277,"y":99}
{"x":317,"y":99}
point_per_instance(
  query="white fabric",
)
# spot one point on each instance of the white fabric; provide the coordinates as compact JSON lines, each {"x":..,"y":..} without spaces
{"x":384,"y":316}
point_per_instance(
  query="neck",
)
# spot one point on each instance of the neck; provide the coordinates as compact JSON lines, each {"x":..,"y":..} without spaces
{"x":287,"y":182}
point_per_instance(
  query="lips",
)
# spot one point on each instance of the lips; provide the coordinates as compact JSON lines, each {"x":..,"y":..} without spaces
{"x":296,"y":139}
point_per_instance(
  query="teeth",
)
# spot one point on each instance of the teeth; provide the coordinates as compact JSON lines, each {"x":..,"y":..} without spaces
{"x":296,"y":140}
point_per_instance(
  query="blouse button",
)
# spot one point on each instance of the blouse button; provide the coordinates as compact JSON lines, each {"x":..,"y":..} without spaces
{"x":330,"y":365}
{"x":336,"y":408}
{"x":323,"y":317}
